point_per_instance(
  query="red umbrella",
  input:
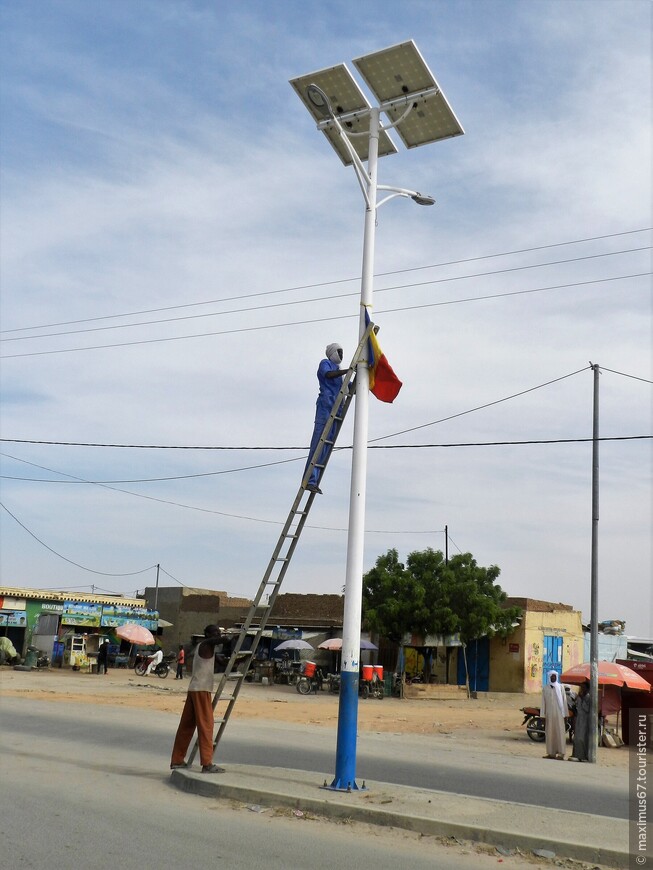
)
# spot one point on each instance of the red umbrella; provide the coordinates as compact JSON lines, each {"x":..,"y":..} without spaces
{"x":610,"y":674}
{"x":135,"y":633}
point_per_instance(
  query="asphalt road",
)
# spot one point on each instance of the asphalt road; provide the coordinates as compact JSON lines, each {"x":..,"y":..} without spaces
{"x":89,"y":787}
{"x":418,"y":761}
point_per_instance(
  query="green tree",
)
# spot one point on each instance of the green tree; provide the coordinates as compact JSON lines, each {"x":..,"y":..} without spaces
{"x":391,"y":598}
{"x":477,"y":602}
{"x":427,"y":596}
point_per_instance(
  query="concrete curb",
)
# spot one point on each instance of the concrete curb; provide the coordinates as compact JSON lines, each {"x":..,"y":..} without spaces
{"x":579,"y":836}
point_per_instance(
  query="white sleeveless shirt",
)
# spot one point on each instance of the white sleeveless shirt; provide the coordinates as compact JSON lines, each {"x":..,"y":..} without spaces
{"x":202,"y":677}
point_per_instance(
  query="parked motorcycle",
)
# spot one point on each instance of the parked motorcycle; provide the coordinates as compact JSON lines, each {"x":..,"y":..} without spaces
{"x":373,"y":688}
{"x":311,"y":680}
{"x":43,"y":661}
{"x":535,"y":724}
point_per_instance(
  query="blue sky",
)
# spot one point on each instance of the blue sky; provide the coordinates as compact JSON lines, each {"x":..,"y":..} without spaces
{"x":157,"y":166}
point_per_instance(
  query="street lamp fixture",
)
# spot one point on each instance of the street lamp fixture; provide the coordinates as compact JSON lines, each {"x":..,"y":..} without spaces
{"x":411,"y":99}
{"x":422,"y":199}
{"x":320,"y":100}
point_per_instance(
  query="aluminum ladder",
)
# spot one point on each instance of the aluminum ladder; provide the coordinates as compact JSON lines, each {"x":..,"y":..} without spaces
{"x":233,"y":677}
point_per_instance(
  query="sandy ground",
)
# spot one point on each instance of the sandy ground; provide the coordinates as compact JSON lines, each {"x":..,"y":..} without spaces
{"x":492,"y":722}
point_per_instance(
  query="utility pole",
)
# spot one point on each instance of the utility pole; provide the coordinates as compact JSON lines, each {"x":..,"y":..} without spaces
{"x":446,"y":545}
{"x":156,"y":589}
{"x":594,"y":593}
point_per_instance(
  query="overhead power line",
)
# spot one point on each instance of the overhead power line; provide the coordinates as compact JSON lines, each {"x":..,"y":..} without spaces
{"x":522,"y":443}
{"x":313,"y":286}
{"x":296,"y":302}
{"x":624,"y":375}
{"x":269,"y":448}
{"x":70,"y":561}
{"x":295,"y":323}
{"x":381,"y":438}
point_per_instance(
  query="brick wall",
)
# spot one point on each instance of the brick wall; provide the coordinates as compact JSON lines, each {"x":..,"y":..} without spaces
{"x":309,"y":608}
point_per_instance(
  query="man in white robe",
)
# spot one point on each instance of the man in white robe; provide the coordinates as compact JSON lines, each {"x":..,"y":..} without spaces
{"x":554,"y":711}
{"x":156,"y":659}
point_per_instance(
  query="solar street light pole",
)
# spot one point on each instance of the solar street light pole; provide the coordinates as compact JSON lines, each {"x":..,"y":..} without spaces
{"x":411,"y":98}
{"x":345,"y":775}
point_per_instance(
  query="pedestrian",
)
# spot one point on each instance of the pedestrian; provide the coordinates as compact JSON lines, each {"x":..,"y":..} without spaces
{"x":198,"y":709}
{"x":329,"y":376}
{"x":181,"y":660}
{"x":155,"y":659}
{"x":582,"y":725}
{"x":103,"y":658}
{"x":554,"y":710}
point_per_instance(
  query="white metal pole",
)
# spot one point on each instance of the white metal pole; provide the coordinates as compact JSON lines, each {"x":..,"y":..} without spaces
{"x":345,"y":776}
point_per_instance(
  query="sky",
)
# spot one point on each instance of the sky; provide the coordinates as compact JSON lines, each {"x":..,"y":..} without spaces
{"x":179,"y":243}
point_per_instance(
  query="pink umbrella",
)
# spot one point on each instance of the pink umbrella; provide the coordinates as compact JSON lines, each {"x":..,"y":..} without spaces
{"x":335,"y":644}
{"x":135,"y":633}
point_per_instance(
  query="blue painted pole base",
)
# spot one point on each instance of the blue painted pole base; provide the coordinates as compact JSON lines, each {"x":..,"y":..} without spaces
{"x":345,"y":777}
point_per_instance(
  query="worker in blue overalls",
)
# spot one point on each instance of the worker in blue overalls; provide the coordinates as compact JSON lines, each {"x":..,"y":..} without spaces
{"x":329,"y":376}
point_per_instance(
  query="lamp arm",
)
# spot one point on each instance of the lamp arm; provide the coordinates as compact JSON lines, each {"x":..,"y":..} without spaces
{"x":396,"y":191}
{"x":391,"y":196}
{"x":408,"y":110}
{"x":361,"y":175}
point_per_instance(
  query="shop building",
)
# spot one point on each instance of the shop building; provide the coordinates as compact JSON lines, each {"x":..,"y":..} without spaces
{"x":65,"y":626}
{"x":548,"y":636}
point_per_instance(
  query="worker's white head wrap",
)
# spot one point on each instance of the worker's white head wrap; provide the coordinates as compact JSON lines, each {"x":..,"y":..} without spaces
{"x":553,"y":681}
{"x":332,"y":353}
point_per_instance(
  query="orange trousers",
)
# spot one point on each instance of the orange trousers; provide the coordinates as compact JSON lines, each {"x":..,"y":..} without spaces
{"x":197,"y":713}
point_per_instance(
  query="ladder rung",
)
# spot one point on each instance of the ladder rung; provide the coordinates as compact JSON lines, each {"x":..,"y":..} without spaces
{"x":297,"y":517}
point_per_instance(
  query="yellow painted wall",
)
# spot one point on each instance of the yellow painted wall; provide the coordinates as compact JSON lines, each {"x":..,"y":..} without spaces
{"x":516,"y":662}
{"x":507,"y":662}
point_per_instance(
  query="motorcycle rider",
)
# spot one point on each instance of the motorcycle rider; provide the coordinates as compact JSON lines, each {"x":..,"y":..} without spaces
{"x":156,"y":659}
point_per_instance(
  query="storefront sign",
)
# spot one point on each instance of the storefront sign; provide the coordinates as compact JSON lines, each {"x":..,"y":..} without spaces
{"x":51,"y":607}
{"x":81,"y":614}
{"x":15,"y":618}
{"x":286,"y":633}
{"x":12,"y":603}
{"x":114,"y":615}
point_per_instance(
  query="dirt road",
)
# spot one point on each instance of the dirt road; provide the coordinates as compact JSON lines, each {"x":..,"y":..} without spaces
{"x":493,"y":723}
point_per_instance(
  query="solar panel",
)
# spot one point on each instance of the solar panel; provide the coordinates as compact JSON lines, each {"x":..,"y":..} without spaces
{"x":346,"y":100}
{"x":398,"y":77}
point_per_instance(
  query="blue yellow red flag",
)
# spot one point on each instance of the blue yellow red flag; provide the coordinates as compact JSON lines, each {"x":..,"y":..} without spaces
{"x":384,"y":383}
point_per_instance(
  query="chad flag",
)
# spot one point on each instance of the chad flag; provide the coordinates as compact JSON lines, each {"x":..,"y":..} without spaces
{"x":384,"y":383}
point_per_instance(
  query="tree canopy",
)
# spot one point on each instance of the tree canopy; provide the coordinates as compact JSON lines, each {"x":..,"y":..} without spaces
{"x":428,"y":596}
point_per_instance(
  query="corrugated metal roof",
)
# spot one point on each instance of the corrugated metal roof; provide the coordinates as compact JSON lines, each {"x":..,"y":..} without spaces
{"x":56,"y":595}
